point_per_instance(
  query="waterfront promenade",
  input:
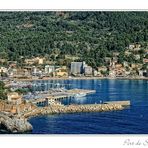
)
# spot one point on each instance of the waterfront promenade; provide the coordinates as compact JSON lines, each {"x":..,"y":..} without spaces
{"x":83,"y":78}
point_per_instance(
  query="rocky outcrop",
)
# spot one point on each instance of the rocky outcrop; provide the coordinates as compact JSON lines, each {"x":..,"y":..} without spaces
{"x":13,"y":124}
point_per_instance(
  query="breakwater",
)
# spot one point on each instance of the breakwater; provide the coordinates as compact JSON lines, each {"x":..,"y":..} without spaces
{"x":58,"y":109}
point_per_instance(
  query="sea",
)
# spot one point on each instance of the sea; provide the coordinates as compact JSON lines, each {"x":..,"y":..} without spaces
{"x":132,"y":120}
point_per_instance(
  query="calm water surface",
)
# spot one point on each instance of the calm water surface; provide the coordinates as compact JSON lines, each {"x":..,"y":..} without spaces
{"x":129,"y":121}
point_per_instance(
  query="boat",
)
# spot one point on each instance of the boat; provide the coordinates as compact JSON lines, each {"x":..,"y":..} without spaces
{"x":79,"y":95}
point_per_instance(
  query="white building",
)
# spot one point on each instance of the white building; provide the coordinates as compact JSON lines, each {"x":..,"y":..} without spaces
{"x":95,"y":72}
{"x":141,"y":73}
{"x":34,"y":70}
{"x":3,"y":69}
{"x":49,"y":69}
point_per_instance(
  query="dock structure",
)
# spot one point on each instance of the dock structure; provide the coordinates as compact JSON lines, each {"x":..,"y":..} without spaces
{"x":123,"y":103}
{"x":49,"y":99}
{"x":59,"y":96}
{"x":75,"y":91}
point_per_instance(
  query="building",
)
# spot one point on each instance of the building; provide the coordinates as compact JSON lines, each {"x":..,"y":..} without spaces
{"x":146,"y":51}
{"x":28,"y":70}
{"x":77,"y":68}
{"x":134,"y":66}
{"x":117,"y":71}
{"x":12,"y":64}
{"x":61,"y":72}
{"x":112,"y":74}
{"x":145,"y":73}
{"x":3,"y":60}
{"x":120,"y":72}
{"x":116,"y":54}
{"x":19,"y":72}
{"x":134,"y":47}
{"x":88,"y":71}
{"x":127,"y":53}
{"x":34,"y":70}
{"x":40,"y":61}
{"x":118,"y":66}
{"x":125,"y":64}
{"x":46,"y":70}
{"x":12,"y":72}
{"x":36,"y":60}
{"x":29,"y":61}
{"x":140,"y":73}
{"x":131,"y":46}
{"x":137,"y":57}
{"x":14,"y":98}
{"x":95,"y":73}
{"x":49,"y":69}
{"x":3,"y":69}
{"x":145,"y":60}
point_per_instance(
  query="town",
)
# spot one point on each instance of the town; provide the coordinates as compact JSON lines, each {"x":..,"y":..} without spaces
{"x":136,"y":66}
{"x":69,"y":62}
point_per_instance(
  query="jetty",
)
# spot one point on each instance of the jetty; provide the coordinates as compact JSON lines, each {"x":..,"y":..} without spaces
{"x":75,"y":108}
{"x":123,"y":103}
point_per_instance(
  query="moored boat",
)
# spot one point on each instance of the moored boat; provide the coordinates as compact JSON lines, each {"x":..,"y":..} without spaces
{"x":79,"y":95}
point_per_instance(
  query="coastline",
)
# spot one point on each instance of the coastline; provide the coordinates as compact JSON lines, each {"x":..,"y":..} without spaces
{"x":85,"y":78}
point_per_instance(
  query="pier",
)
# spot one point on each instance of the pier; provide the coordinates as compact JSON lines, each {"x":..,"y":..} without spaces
{"x":56,"y":96}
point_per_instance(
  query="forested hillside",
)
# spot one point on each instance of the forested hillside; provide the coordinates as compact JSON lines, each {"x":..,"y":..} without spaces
{"x":91,"y":36}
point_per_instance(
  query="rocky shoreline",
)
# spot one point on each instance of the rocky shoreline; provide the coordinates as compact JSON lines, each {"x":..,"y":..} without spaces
{"x":14,"y":124}
{"x":19,"y":123}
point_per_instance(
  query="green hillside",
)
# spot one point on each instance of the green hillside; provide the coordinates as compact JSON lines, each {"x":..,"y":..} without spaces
{"x":91,"y":36}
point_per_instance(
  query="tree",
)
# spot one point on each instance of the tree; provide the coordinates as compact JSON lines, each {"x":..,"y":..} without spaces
{"x":3,"y":94}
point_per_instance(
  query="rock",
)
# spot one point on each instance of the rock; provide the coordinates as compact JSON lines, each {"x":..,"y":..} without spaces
{"x":14,"y":124}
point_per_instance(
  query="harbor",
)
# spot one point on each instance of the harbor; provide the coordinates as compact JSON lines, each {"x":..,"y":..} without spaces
{"x":49,"y":103}
{"x":19,"y":110}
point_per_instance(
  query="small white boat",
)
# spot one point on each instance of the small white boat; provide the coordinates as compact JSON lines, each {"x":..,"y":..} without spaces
{"x":80,"y":95}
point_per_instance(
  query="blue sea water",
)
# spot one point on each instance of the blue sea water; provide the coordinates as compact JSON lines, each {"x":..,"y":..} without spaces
{"x":133,"y":120}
